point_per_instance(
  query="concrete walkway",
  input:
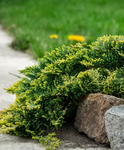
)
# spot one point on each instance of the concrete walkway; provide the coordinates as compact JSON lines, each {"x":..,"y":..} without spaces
{"x":10,"y":62}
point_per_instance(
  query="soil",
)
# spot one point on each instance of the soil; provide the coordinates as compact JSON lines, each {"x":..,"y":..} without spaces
{"x":71,"y":138}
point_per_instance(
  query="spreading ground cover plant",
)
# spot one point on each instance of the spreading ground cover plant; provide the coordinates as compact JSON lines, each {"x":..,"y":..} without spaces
{"x":31,"y":22}
{"x":48,"y":94}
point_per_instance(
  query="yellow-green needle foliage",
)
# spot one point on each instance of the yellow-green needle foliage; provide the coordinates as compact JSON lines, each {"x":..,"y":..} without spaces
{"x":48,"y":94}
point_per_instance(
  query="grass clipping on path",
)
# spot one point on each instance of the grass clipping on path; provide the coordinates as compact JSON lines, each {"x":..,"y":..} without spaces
{"x":48,"y":94}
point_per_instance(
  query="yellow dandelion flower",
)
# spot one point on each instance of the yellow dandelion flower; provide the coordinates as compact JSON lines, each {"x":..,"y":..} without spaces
{"x":78,"y":38}
{"x":53,"y":36}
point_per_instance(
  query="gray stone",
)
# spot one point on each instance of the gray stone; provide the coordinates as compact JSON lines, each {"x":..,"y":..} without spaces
{"x":114,"y":124}
{"x":90,"y":115}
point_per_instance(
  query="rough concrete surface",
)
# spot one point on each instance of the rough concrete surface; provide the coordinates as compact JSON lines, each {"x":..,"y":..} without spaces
{"x":10,"y":62}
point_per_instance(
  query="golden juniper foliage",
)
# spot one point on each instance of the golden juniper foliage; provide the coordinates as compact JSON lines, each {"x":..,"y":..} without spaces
{"x":48,"y":94}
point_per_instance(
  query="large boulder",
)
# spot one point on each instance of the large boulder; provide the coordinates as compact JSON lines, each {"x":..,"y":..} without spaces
{"x":90,"y":118}
{"x":114,"y":124}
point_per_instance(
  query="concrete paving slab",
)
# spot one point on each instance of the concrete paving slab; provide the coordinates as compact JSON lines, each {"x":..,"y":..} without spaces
{"x":10,"y":62}
{"x":9,"y":142}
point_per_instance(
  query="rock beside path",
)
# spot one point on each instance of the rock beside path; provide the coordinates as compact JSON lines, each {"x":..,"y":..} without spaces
{"x":114,"y":123}
{"x":90,"y":117}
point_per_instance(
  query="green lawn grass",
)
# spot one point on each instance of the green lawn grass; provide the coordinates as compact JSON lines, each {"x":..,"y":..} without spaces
{"x":35,"y":20}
